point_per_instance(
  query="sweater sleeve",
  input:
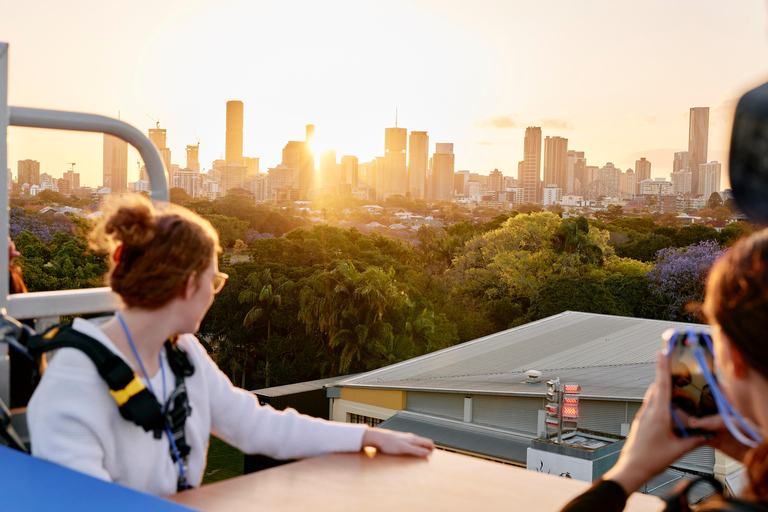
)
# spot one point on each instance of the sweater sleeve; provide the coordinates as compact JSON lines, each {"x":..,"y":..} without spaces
{"x":604,"y":495}
{"x":63,"y":417}
{"x":239,"y":419}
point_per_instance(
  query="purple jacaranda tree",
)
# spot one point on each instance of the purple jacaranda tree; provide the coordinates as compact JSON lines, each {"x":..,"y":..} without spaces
{"x":680,"y":276}
{"x":43,"y":226}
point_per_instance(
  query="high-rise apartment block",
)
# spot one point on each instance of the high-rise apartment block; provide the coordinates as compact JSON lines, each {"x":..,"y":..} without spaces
{"x":555,"y":162}
{"x":681,"y":180}
{"x":629,"y":183}
{"x":28,"y":171}
{"x":709,"y":179}
{"x":115,"y":158}
{"x":234,"y":143}
{"x":73,"y":178}
{"x":575,"y":171}
{"x":531,"y":178}
{"x":698,"y":137}
{"x":610,"y":175}
{"x":418,"y":161}
{"x":442,"y":171}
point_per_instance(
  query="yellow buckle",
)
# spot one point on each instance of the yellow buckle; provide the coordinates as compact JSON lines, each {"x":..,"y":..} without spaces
{"x":123,"y":395}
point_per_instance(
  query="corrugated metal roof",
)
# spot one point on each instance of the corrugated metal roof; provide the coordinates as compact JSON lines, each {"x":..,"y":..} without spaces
{"x":299,"y":387}
{"x":469,"y":438}
{"x":611,"y":357}
{"x":664,"y":483}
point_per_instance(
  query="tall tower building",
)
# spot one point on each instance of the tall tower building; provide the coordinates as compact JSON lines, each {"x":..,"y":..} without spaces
{"x":115,"y":158}
{"x":310,"y":132}
{"x":698,"y":137}
{"x":418,"y":161}
{"x":442,"y":171}
{"x":709,"y":179}
{"x":158,"y":138}
{"x":28,"y":171}
{"x":680,"y":163}
{"x":234,"y":149}
{"x":642,"y":169}
{"x":532,"y":165}
{"x":329,"y":168}
{"x":496,"y":181}
{"x":555,"y":164}
{"x":349,"y":170}
{"x":193,"y":157}
{"x":394,"y":179}
{"x":298,"y":157}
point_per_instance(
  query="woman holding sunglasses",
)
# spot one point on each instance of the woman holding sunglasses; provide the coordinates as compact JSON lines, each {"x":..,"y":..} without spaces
{"x":164,"y":268}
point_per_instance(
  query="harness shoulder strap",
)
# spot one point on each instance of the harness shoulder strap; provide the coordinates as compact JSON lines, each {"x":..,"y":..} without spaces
{"x":135,"y":402}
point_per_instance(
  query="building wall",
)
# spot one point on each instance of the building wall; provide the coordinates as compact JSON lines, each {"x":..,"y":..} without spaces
{"x":698,"y":139}
{"x":555,"y":161}
{"x":531,"y":164}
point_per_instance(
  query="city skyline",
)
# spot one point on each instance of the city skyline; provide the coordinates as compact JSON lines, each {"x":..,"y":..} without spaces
{"x":464,"y":76}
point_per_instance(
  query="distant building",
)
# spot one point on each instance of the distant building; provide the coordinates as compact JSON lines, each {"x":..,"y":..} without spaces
{"x":251,"y":166}
{"x":115,"y":158}
{"x":681,"y":180}
{"x":680,"y":162}
{"x":329,"y":168}
{"x":642,"y":169}
{"x":442,"y":171}
{"x":496,"y":181}
{"x":652,"y":187}
{"x":394,"y":178}
{"x":555,"y":161}
{"x":232,"y":176}
{"x":551,"y":194}
{"x":189,"y":180}
{"x":279,"y":179}
{"x":629,"y":183}
{"x":349,"y":171}
{"x":575,"y":164}
{"x":532,"y":164}
{"x":28,"y":171}
{"x":158,"y":136}
{"x":193,"y":157}
{"x":610,"y":175}
{"x":298,"y":156}
{"x":709,"y":179}
{"x":234,"y":143}
{"x":698,"y":138}
{"x":418,"y":157}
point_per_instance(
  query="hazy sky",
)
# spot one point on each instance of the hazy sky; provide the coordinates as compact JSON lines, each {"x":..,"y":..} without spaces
{"x":615,"y":78}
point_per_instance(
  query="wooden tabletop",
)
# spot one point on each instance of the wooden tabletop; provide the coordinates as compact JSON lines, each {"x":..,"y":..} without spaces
{"x":445,"y":481}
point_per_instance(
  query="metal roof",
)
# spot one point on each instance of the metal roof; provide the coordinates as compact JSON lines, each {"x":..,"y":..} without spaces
{"x":612,"y":357}
{"x":466,"y":437}
{"x":299,"y":387}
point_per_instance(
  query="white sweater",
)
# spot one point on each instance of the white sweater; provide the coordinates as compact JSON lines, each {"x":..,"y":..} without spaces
{"x":74,"y":421}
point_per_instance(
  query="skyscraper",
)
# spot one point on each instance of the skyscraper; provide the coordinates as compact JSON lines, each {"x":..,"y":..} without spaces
{"x":680,"y":162}
{"x":709,"y":179}
{"x":496,"y":181}
{"x":234,"y":149}
{"x":532,"y":164}
{"x":349,"y":172}
{"x":193,"y":157}
{"x":298,"y":157}
{"x":115,"y":158}
{"x":575,"y":165}
{"x":158,"y":137}
{"x":418,"y":157}
{"x":329,"y":168}
{"x":442,"y":171}
{"x":395,"y":176}
{"x":28,"y":171}
{"x":642,"y":169}
{"x":555,"y":165}
{"x":698,"y":137}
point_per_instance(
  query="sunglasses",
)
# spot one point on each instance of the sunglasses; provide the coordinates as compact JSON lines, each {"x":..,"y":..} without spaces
{"x":219,"y":280}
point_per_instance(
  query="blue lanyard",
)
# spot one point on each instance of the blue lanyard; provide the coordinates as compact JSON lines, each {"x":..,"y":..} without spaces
{"x":183,"y":477}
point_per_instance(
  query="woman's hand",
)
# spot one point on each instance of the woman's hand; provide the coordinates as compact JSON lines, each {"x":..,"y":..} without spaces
{"x":651,"y":445}
{"x":398,"y":443}
{"x":722,"y":439}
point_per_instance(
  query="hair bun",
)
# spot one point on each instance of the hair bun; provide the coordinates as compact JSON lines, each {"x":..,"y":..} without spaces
{"x":132,"y":224}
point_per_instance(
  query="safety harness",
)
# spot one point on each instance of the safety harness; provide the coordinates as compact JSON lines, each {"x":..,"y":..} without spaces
{"x":135,"y":402}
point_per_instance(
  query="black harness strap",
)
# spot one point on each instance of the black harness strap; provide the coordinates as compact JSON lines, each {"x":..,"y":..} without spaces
{"x":135,"y":402}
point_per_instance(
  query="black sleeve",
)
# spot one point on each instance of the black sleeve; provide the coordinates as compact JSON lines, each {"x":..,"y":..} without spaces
{"x":604,"y":495}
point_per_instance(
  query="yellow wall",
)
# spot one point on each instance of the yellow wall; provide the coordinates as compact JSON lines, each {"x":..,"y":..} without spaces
{"x":388,"y":398}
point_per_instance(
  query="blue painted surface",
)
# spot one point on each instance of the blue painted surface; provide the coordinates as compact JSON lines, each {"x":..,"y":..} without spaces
{"x":30,"y":484}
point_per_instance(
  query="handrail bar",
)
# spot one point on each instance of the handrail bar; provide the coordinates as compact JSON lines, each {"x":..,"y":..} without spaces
{"x":79,"y":121}
{"x":62,"y":302}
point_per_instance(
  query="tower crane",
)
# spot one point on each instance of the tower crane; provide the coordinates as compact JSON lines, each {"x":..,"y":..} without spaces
{"x":72,"y":166}
{"x":197,"y":139}
{"x":157,"y":121}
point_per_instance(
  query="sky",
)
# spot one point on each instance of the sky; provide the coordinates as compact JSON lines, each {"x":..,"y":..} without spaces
{"x":617,"y":79}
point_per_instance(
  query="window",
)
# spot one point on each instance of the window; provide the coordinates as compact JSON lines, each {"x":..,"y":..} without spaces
{"x":359,"y":418}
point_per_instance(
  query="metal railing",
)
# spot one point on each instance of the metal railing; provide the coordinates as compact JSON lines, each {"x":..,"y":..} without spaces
{"x":46,"y":307}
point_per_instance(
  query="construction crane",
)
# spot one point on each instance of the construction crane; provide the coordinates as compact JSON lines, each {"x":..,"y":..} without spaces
{"x":198,"y":140}
{"x":72,"y":166}
{"x":157,"y":121}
